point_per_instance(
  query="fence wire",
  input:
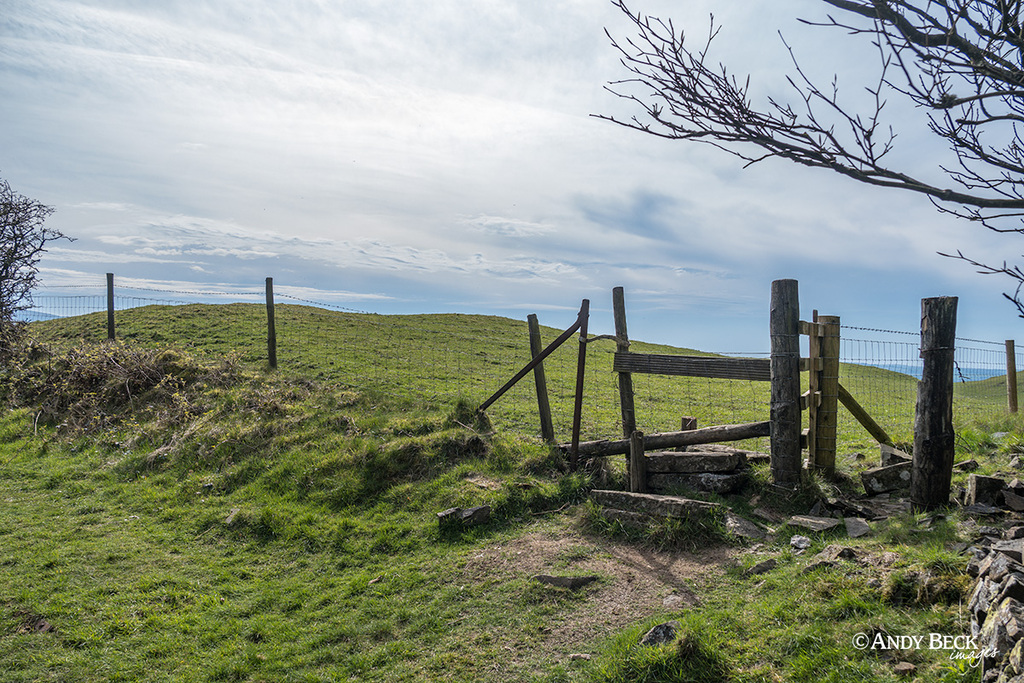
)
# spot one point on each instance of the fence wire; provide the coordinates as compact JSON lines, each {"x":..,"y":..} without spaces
{"x":435,"y":359}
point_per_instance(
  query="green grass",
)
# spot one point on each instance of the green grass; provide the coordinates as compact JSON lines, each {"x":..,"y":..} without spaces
{"x":189,"y":515}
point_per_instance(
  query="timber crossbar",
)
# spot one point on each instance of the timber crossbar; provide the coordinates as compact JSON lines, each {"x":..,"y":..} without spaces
{"x":690,"y":437}
{"x":757,"y":369}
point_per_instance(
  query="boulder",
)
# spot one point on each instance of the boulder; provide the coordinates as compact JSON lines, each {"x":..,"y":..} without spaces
{"x":982,"y":490}
{"x":661,"y":634}
{"x":884,"y":479}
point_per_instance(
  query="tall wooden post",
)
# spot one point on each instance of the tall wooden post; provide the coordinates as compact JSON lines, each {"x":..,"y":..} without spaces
{"x":934,"y":438}
{"x":625,"y":378}
{"x":547,"y":428}
{"x":813,"y":332}
{"x":1011,"y":376}
{"x":271,"y":326}
{"x":110,"y":306}
{"x":785,"y":379}
{"x":581,"y":366}
{"x":827,"y":414}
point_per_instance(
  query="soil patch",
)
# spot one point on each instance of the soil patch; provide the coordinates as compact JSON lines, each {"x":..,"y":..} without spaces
{"x":635,"y":583}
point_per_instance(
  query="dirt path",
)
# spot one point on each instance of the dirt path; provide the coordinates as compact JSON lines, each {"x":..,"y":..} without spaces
{"x":634,"y":584}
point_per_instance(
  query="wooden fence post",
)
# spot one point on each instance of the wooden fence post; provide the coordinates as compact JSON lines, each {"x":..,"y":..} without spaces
{"x":813,"y":332}
{"x":581,"y":366}
{"x":827,"y":413}
{"x":271,"y":326}
{"x":1011,"y":376}
{"x":110,"y":306}
{"x":625,"y":378}
{"x":785,"y":379}
{"x":934,"y":438}
{"x":637,"y":463}
{"x":547,"y":429}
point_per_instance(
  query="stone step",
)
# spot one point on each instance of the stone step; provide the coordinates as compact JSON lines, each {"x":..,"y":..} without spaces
{"x":690,"y":462}
{"x":651,"y":504}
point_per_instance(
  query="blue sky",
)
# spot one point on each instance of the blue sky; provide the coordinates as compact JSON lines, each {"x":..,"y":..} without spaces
{"x":410,"y":157}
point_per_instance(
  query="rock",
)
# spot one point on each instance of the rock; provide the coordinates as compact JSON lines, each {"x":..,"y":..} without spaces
{"x":1012,"y":549}
{"x":454,"y":519}
{"x":1017,"y":462}
{"x":904,"y":669}
{"x":835,"y":552}
{"x":1002,"y":629}
{"x":477,"y":515}
{"x":823,"y":564}
{"x":813,"y":523}
{"x":885,"y":479}
{"x":967,"y":465}
{"x":579,"y":655}
{"x":231,"y":516}
{"x":892,"y":456}
{"x":800,"y":542}
{"x":1013,"y":533}
{"x":989,"y":531}
{"x":661,"y":634}
{"x":678,"y":602}
{"x":744,"y":528}
{"x":856,"y":456}
{"x":856,"y":527}
{"x":983,"y":490}
{"x":570,"y":582}
{"x":762,"y":567}
{"x":1013,"y":500}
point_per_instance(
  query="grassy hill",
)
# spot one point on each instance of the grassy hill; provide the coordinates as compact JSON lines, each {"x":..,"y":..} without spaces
{"x":172,"y":510}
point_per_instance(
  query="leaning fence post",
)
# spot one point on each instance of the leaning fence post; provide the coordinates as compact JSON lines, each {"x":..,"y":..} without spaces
{"x":271,"y":327}
{"x":110,"y":306}
{"x":1011,"y":376}
{"x":785,"y":380}
{"x":547,"y":429}
{"x":934,"y":438}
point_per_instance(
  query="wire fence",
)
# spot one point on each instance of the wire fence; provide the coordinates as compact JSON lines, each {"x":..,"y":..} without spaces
{"x":434,"y":359}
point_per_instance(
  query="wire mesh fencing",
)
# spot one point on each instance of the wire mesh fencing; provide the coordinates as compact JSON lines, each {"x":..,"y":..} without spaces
{"x":436,"y":359}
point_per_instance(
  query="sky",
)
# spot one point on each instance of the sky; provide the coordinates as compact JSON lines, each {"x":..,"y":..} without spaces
{"x":402,"y":156}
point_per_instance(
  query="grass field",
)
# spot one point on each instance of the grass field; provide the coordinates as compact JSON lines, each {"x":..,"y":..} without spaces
{"x":188,"y":515}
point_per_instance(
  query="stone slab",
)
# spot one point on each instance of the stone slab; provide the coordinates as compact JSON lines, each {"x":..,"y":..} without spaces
{"x":691,"y":462}
{"x":705,"y":481}
{"x":885,"y":479}
{"x":651,"y":504}
{"x":813,"y":523}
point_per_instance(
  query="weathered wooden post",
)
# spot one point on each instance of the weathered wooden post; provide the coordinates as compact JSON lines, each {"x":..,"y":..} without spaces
{"x":547,"y":428}
{"x":637,"y":463}
{"x":581,"y":366}
{"x":934,"y":438}
{"x":271,"y":327}
{"x":625,"y":378}
{"x":1011,"y":376}
{"x":827,"y":413}
{"x":785,"y":379}
{"x":110,"y":306}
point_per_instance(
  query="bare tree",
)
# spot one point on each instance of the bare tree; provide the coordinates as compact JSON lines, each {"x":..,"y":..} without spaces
{"x":23,"y":239}
{"x":961,"y":60}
